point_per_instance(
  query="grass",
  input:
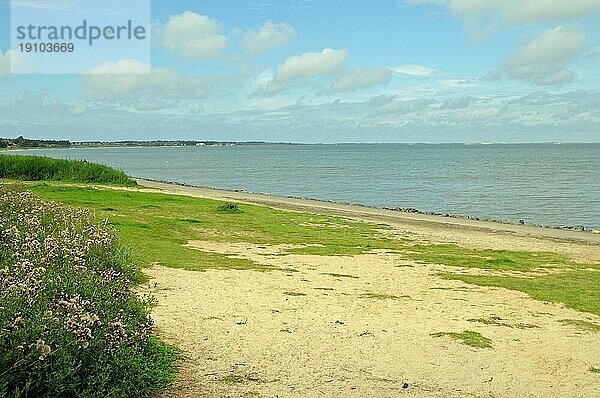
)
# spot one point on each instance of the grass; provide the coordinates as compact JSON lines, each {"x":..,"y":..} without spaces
{"x":380,"y":296}
{"x":468,"y":337}
{"x":500,"y":260}
{"x":159,"y":226}
{"x":229,"y":208}
{"x":495,"y":321}
{"x":38,"y":168}
{"x":297,"y":294}
{"x":581,"y":325}
{"x":233,"y":379}
{"x":339,"y":275}
{"x":577,"y":289}
{"x":71,"y":324}
{"x":594,"y":369}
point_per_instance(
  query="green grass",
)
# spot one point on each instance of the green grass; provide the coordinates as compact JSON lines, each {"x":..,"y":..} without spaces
{"x":380,"y":296}
{"x":159,"y":226}
{"x":296,"y":294}
{"x":495,"y":321}
{"x":231,"y":208}
{"x":501,"y":260}
{"x":335,"y":275}
{"x":594,"y":369}
{"x":576,"y":289}
{"x":37,"y":168}
{"x":581,"y":325}
{"x":233,"y":379}
{"x":468,"y":337}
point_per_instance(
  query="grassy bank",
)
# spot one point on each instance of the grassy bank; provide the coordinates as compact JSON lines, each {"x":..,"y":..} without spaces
{"x":70,"y":322}
{"x":38,"y":168}
{"x":160,"y":227}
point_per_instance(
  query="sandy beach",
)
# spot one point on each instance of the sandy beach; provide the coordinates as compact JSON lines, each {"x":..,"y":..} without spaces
{"x":362,"y":326}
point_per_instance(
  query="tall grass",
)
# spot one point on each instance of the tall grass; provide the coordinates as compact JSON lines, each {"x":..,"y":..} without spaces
{"x":37,"y":168}
{"x":70,"y":323}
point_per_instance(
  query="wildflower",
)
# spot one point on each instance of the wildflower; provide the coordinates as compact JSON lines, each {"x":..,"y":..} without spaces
{"x":18,"y":322}
{"x":43,"y":348}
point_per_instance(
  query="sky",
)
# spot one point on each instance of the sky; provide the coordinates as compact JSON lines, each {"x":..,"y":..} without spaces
{"x":327,"y":71}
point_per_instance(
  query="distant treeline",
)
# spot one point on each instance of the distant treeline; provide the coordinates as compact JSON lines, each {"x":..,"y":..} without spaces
{"x":21,"y":142}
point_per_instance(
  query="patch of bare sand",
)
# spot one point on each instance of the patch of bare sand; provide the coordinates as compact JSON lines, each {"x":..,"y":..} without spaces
{"x":333,"y":341}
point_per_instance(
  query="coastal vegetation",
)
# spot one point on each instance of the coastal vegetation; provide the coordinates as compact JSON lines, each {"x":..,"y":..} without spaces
{"x":468,"y":337}
{"x":37,"y":168}
{"x":153,"y":224}
{"x":71,"y":324}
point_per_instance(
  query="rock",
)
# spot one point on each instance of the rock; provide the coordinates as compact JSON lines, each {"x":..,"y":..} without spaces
{"x":596,"y":231}
{"x":405,"y":385}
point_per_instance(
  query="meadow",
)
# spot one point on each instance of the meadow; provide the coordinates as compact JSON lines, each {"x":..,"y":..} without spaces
{"x":159,"y":226}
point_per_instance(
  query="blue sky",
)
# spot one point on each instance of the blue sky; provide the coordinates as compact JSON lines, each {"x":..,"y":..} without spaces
{"x":329,"y":71}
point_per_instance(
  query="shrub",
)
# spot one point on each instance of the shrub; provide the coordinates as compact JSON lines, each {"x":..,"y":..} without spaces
{"x":36,"y":168}
{"x":232,"y":208}
{"x":70,"y":323}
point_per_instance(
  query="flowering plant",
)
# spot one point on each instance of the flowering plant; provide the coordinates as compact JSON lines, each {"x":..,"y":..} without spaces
{"x":70,"y":321}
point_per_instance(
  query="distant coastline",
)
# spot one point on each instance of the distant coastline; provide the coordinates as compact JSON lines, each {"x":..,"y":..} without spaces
{"x":27,"y":143}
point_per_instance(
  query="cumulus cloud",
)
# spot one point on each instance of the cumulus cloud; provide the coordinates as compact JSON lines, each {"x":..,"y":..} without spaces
{"x":362,"y":78}
{"x":299,"y":68}
{"x":521,"y":12}
{"x":545,"y":60}
{"x":193,"y":35}
{"x":267,"y":37}
{"x":415,"y":70}
{"x":483,"y":17}
{"x":309,"y":64}
{"x":122,"y":82}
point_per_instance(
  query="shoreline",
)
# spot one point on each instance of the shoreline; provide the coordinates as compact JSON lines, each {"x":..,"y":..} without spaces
{"x":376,"y":214}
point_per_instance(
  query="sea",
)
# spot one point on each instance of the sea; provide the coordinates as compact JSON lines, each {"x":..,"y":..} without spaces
{"x":547,"y":184}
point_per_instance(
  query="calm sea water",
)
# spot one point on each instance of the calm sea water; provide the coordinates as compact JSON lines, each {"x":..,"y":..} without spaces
{"x":539,"y":183}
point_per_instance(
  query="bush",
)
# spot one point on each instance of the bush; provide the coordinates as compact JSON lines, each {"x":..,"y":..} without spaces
{"x":70,"y":323}
{"x":229,"y":208}
{"x":37,"y":168}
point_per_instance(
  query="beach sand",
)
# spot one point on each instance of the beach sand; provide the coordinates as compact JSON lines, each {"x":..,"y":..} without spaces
{"x":362,"y":326}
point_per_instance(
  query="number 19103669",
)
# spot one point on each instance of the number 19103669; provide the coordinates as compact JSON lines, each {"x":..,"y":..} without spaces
{"x":47,"y":47}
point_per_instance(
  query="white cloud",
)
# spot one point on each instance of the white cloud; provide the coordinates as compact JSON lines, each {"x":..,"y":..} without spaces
{"x":545,"y":60}
{"x":522,"y":12}
{"x":300,"y":68}
{"x":457,"y":83}
{"x":122,"y":82}
{"x":362,"y":78}
{"x":15,"y":61}
{"x":193,"y":36}
{"x":328,"y":61}
{"x":267,"y":37}
{"x":122,"y":67}
{"x":415,"y":70}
